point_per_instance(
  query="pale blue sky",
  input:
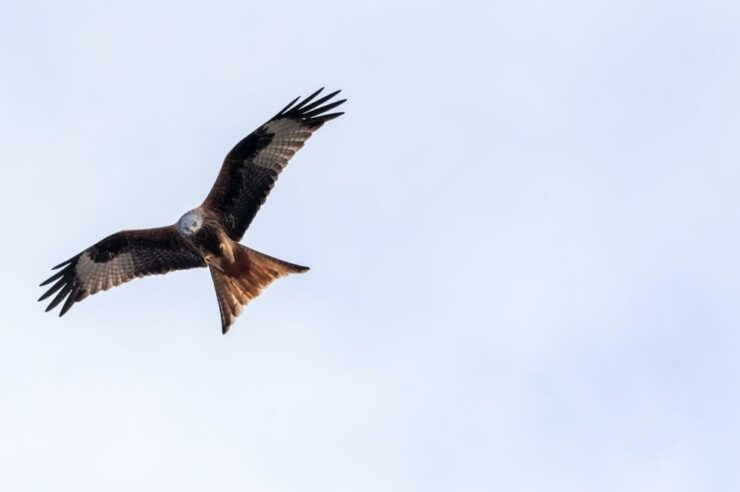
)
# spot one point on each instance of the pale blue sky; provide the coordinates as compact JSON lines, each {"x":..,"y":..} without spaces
{"x":523,"y":239}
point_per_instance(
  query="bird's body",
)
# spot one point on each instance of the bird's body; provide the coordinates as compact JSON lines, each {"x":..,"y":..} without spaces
{"x":209,"y":234}
{"x":202,"y":229}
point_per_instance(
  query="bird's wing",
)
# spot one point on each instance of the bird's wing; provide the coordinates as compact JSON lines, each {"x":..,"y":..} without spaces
{"x":253,"y":165}
{"x":117,"y":259}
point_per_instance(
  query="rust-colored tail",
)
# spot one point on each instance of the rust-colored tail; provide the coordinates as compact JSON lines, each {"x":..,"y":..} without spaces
{"x":245,"y":279}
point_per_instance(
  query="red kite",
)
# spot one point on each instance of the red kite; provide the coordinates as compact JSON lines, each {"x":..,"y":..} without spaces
{"x":209,"y":234}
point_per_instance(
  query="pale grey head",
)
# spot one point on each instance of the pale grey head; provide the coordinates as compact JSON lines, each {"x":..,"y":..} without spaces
{"x":190,"y":223}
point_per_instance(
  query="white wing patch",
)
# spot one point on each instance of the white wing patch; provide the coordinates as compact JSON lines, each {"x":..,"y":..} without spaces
{"x":289,"y":137}
{"x":95,"y":277}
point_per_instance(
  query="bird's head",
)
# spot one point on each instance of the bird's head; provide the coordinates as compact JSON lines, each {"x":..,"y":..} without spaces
{"x":190,"y":223}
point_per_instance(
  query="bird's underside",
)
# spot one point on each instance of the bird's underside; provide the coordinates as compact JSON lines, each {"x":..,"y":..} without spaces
{"x":209,"y":234}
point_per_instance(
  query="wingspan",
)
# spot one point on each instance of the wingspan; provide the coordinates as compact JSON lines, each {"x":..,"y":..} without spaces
{"x":117,"y":259}
{"x":251,"y":168}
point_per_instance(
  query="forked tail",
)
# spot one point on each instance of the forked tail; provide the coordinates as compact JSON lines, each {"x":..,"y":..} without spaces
{"x":245,"y":279}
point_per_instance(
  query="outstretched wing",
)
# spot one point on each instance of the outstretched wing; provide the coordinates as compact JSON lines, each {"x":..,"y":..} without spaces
{"x":117,"y":259}
{"x":251,"y":168}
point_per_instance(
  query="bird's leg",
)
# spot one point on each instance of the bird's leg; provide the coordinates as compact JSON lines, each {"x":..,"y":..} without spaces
{"x":227,"y":251}
{"x":209,"y":261}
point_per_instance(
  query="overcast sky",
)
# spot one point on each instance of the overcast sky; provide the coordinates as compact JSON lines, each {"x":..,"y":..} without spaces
{"x":523,"y":240}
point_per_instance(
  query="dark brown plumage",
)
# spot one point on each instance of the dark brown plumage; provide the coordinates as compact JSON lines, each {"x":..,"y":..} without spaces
{"x":251,"y":168}
{"x":207,"y":235}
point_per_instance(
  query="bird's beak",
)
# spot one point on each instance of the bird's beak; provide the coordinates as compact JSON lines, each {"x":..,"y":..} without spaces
{"x":193,"y":229}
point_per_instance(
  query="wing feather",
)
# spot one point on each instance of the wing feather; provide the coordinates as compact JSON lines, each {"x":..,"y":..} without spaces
{"x":116,"y":259}
{"x":305,"y":101}
{"x":251,"y":168}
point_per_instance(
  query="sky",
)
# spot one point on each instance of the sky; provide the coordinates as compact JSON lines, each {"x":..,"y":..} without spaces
{"x":522,"y":237}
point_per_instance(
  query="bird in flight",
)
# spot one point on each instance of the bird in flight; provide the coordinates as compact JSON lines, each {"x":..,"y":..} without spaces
{"x":209,"y":234}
